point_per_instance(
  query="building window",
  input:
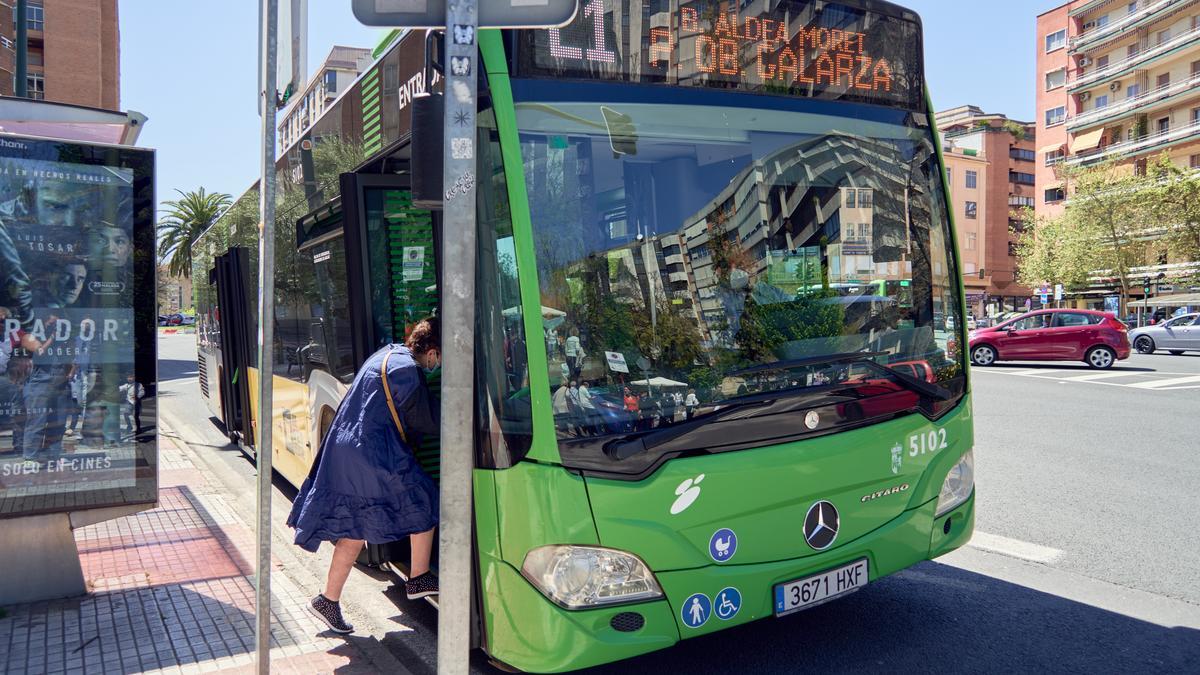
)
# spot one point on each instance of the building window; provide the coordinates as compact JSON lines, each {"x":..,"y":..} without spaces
{"x":865,"y":198}
{"x":1164,"y":125}
{"x":1133,"y":90}
{"x":1195,"y":68}
{"x":972,"y":210}
{"x":1102,"y":62}
{"x":1195,"y":115}
{"x":972,"y":179}
{"x":1139,"y":167}
{"x":1055,"y":156}
{"x":1056,"y":194}
{"x":1020,"y":177}
{"x":1019,"y":201}
{"x":1022,"y":154}
{"x":1132,"y":7}
{"x":1164,"y":80}
{"x":1056,"y":40}
{"x":1101,"y":102}
{"x":849,"y":200}
{"x":950,"y":176}
{"x":1056,"y":79}
{"x":1133,"y":50}
{"x":1101,"y":21}
{"x":1056,"y":116}
{"x":35,"y":19}
{"x":971,"y":241}
{"x":331,"y":82}
{"x":1195,"y":162}
{"x":37,"y":85}
{"x":1163,"y":36}
{"x":1012,"y":249}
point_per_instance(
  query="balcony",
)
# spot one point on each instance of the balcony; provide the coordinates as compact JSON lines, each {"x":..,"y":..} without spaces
{"x":1148,"y":143}
{"x":677,"y":277}
{"x":673,"y":259}
{"x":1125,"y":106}
{"x":1116,"y":28}
{"x":1119,"y":68}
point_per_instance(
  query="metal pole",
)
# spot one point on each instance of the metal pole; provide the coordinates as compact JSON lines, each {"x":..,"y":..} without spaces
{"x":458,"y":337}
{"x":22,"y":77}
{"x":266,"y":337}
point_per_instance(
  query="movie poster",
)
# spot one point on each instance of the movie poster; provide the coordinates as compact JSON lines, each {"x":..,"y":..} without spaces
{"x":77,"y":420}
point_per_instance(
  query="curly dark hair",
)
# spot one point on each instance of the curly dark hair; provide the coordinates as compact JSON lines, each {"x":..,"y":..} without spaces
{"x":425,"y":336}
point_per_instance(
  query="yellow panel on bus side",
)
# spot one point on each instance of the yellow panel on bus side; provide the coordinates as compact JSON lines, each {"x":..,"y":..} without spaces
{"x":291,"y":422}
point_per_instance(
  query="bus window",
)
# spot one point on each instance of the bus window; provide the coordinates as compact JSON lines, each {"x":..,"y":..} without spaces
{"x":329,"y":343}
{"x":501,"y":351}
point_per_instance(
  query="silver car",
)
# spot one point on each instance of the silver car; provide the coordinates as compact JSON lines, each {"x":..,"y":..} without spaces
{"x":1176,"y":335}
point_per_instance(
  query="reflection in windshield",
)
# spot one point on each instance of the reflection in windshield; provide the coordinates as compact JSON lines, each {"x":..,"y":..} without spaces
{"x":693,"y":243}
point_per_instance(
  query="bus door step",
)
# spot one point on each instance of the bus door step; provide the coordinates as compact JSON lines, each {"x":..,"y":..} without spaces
{"x":402,"y":572}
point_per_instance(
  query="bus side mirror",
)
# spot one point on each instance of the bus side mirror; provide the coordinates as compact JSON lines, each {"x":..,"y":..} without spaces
{"x":428,"y":133}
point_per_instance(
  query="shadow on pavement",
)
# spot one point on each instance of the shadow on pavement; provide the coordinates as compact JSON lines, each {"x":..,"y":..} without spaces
{"x":1064,"y":365}
{"x":174,"y":369}
{"x":935,"y":618}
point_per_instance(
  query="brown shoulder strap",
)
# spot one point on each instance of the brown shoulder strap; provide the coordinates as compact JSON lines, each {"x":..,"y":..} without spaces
{"x":387,"y":392}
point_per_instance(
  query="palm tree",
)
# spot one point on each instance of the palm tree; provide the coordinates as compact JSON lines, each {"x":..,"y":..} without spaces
{"x":185,"y":219}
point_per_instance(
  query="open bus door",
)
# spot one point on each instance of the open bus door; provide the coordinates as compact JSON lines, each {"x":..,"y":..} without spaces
{"x":392,"y":254}
{"x":231,"y":275}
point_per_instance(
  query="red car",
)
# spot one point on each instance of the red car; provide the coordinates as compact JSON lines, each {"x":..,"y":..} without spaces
{"x":1096,"y":338}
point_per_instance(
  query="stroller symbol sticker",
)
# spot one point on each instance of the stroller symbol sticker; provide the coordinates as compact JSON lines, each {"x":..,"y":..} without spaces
{"x":722,"y":545}
{"x":897,"y":458}
{"x":696,"y":610}
{"x":728,"y":602}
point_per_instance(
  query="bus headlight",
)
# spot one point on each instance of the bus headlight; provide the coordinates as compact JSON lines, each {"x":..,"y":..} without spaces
{"x":580,"y":577}
{"x":958,"y":484}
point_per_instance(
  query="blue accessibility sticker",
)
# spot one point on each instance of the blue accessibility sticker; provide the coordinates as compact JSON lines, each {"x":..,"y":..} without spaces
{"x":727,"y":602}
{"x":695,"y":610}
{"x":723,"y":545}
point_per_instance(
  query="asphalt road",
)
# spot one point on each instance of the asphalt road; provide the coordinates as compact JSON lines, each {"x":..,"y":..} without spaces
{"x":1086,"y":555}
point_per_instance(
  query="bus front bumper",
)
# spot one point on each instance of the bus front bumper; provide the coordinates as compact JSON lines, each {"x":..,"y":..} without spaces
{"x":527,"y":631}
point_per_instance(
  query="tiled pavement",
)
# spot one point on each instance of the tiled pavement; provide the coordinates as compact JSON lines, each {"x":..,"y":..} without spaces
{"x":171,"y":591}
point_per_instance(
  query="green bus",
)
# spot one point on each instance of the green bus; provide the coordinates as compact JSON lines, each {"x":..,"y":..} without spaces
{"x":673,"y":437}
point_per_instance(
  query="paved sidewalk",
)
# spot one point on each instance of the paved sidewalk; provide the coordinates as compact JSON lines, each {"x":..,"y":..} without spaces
{"x":171,"y":591}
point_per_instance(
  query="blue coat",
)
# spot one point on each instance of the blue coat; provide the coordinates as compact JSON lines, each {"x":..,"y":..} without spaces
{"x":366,"y":483}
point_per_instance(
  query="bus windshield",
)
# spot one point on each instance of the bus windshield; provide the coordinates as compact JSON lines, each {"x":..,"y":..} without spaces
{"x":683,"y":247}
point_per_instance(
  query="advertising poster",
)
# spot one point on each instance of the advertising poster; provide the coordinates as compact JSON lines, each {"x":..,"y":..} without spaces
{"x":77,"y":352}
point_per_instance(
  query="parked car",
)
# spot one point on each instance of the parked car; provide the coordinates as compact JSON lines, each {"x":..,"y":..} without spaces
{"x":972,"y":322}
{"x":1096,"y":338}
{"x":187,"y":320}
{"x":1176,"y":335}
{"x":162,"y":319}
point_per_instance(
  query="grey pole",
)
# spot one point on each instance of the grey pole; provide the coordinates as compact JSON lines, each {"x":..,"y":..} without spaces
{"x":266,"y":337}
{"x":22,"y":77}
{"x":458,"y":337}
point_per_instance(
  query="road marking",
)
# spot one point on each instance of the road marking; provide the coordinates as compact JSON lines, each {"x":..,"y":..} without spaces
{"x":1166,"y":383}
{"x":1014,"y":548}
{"x":1101,"y":376}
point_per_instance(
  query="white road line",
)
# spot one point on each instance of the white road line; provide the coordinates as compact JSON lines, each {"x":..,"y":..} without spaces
{"x":1015,"y":548}
{"x":1100,"y":376}
{"x":1166,"y":383}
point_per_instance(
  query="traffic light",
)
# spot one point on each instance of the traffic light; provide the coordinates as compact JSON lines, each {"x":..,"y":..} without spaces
{"x":1146,"y":286}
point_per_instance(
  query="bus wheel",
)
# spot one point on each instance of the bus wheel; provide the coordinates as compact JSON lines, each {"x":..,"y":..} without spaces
{"x":983,"y":355}
{"x":1101,"y":358}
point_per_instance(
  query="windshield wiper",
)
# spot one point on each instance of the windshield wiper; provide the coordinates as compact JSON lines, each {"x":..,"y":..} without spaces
{"x":930,"y":389}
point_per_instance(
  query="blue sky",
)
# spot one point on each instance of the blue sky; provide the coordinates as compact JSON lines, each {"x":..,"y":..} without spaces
{"x":196,"y":80}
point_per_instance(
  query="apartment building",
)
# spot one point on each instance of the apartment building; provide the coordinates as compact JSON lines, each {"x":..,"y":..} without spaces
{"x":990,"y":169}
{"x":1117,"y":80}
{"x":74,"y":51}
{"x":336,"y":73}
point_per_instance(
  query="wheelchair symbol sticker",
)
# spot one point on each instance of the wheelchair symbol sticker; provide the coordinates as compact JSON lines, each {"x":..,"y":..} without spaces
{"x":722,"y":545}
{"x":696,"y":610}
{"x":728,"y":602}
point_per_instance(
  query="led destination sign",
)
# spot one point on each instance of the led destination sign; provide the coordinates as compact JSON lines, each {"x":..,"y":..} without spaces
{"x":787,"y":47}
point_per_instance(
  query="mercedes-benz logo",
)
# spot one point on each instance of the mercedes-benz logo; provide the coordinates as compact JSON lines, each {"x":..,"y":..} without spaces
{"x":821,"y":525}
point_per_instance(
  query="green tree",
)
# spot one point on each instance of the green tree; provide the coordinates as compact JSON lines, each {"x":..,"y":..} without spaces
{"x":1174,"y":198}
{"x":1053,"y":251}
{"x":186,"y":217}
